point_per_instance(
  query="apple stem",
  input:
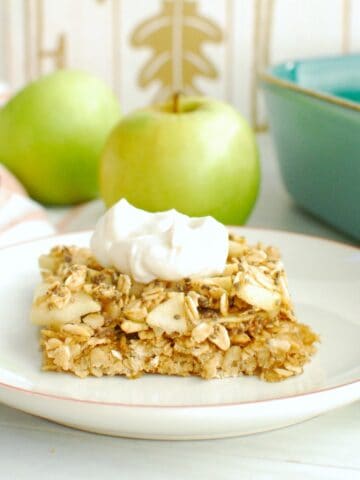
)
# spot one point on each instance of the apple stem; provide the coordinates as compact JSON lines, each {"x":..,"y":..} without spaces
{"x":176,"y":102}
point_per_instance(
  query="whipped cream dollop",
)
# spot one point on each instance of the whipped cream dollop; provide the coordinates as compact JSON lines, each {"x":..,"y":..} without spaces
{"x":164,"y":245}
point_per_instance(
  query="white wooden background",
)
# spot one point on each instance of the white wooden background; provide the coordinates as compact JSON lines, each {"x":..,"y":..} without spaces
{"x":97,"y":33}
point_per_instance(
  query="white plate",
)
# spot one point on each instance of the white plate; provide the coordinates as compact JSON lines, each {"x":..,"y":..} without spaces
{"x":325,"y":284}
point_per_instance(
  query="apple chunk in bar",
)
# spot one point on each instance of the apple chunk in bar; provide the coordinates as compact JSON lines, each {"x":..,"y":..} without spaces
{"x":168,"y":294}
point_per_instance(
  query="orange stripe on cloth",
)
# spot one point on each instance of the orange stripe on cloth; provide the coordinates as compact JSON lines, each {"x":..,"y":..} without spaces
{"x":5,"y":196}
{"x":69,"y":217}
{"x":37,"y":215}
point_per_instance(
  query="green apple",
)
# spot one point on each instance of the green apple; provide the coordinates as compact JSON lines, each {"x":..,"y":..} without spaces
{"x":52,"y":133}
{"x":195,"y":154}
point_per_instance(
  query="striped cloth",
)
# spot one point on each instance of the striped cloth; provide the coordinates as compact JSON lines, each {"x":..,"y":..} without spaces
{"x":22,"y":219}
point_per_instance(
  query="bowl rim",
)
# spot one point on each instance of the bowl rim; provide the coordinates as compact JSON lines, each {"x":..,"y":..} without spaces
{"x":265,"y":76}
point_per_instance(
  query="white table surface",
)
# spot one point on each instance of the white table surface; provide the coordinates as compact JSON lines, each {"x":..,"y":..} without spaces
{"x":327,"y":447}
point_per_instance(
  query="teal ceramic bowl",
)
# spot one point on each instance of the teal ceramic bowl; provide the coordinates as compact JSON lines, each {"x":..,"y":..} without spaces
{"x":314,"y":113}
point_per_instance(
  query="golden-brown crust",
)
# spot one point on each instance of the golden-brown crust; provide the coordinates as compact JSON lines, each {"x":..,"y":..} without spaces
{"x":240,"y":322}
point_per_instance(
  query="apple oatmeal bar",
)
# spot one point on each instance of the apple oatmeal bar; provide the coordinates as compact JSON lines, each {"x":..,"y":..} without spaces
{"x":98,"y":321}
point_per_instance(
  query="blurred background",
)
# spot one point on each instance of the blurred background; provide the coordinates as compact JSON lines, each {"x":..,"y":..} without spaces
{"x":145,"y":50}
{"x":215,"y":47}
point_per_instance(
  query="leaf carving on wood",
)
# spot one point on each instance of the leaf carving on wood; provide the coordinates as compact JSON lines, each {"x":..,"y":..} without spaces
{"x":176,"y":36}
